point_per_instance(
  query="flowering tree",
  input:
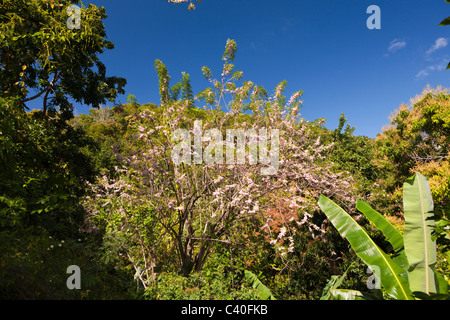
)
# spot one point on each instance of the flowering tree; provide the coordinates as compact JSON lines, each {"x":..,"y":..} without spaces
{"x":186,"y":207}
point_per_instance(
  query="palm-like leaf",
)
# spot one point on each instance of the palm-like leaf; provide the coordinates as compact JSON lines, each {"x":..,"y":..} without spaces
{"x":391,"y":273}
{"x":261,"y":289}
{"x":419,"y":246}
{"x":392,"y":235}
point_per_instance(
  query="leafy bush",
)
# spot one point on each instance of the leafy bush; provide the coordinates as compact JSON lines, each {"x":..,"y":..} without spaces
{"x":204,"y":285}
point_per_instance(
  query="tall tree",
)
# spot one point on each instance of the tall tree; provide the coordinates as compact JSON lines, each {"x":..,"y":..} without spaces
{"x":43,"y":54}
{"x":178,"y":211}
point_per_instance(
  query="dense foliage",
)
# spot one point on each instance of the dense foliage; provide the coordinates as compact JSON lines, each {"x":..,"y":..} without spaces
{"x":104,"y":190}
{"x":42,"y":58}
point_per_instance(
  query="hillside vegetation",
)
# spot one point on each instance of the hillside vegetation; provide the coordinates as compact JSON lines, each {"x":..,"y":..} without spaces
{"x":103,"y":190}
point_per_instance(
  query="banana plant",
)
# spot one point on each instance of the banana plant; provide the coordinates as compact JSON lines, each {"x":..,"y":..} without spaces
{"x":263,"y":292}
{"x":408,"y":273}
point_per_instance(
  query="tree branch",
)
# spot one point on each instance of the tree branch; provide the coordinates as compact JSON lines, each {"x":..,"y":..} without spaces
{"x":46,"y":90}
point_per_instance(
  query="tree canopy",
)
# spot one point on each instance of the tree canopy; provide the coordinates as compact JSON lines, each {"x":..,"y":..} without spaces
{"x":42,"y":57}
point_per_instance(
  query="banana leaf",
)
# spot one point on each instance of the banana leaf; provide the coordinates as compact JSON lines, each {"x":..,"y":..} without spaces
{"x":333,"y":284}
{"x":392,"y":235}
{"x":261,"y":289}
{"x":389,"y":231}
{"x":390,"y":272}
{"x":441,"y":284}
{"x":420,"y":249}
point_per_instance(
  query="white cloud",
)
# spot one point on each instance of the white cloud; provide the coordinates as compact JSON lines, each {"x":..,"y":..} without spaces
{"x":422,"y":74}
{"x":395,"y":45}
{"x":439,"y":43}
{"x":426,"y":72}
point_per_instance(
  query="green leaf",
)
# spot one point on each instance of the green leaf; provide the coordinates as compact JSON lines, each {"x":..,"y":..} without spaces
{"x":389,"y":231}
{"x":432,"y":296}
{"x":261,"y":289}
{"x":390,"y":272}
{"x":333,"y":284}
{"x":392,"y":235}
{"x":419,"y":246}
{"x":445,"y":22}
{"x":441,"y":283}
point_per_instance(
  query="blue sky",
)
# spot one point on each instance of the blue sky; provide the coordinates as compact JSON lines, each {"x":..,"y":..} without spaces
{"x":321,"y":47}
